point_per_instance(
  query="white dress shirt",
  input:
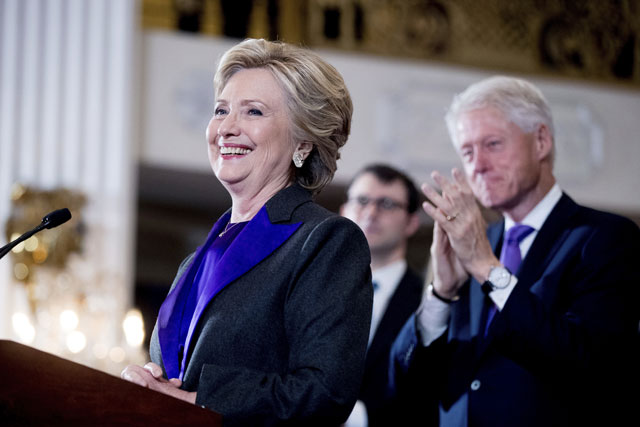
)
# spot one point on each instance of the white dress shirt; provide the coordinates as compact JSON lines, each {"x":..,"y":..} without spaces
{"x":387,"y":279}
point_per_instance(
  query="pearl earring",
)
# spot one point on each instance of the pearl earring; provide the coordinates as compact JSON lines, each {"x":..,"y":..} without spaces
{"x":298,"y":160}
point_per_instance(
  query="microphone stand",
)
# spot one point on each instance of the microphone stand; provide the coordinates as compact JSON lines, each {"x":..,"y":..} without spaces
{"x":7,"y":248}
{"x":51,"y":220}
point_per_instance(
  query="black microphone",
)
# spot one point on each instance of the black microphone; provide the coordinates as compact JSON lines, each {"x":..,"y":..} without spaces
{"x":52,"y":219}
{"x":56,"y":218}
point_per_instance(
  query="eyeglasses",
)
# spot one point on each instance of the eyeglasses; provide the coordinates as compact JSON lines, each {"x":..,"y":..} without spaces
{"x":383,"y":203}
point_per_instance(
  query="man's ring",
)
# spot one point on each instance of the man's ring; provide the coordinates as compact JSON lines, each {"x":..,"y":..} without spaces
{"x":451,"y":217}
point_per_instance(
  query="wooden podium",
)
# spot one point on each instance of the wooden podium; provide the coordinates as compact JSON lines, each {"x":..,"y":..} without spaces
{"x":41,"y":389}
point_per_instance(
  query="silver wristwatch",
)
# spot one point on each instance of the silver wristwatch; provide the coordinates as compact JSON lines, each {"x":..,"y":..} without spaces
{"x":499,"y":277}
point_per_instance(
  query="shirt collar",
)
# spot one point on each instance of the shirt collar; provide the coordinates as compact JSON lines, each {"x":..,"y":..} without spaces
{"x":540,"y":212}
{"x":389,"y":275}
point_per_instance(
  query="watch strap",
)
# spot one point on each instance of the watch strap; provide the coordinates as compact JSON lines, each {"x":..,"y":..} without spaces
{"x":487,"y":287}
{"x":441,"y":298}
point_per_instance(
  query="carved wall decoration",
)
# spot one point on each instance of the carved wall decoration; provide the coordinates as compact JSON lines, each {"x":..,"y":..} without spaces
{"x":189,"y":14}
{"x":590,"y":39}
{"x":594,"y":39}
{"x":374,"y":25}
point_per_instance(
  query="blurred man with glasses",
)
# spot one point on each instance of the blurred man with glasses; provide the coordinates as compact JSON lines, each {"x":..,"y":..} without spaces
{"x":384,"y":202}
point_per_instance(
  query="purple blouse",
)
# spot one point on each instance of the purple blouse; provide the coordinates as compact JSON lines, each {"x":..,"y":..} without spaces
{"x":191,"y":291}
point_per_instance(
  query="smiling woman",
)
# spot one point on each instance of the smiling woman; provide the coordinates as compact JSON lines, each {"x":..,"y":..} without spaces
{"x":250,"y":146}
{"x":267,"y":322}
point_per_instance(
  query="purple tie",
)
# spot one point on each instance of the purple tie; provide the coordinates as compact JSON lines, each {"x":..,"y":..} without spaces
{"x":510,"y":257}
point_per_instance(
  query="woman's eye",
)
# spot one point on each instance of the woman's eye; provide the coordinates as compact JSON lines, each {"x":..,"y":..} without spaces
{"x":255,"y":112}
{"x":219,"y":111}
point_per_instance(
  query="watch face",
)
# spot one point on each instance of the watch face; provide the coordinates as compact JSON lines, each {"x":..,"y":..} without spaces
{"x":499,"y":277}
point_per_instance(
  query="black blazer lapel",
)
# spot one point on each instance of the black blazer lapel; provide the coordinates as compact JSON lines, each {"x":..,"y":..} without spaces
{"x":265,"y":233}
{"x":402,"y":303}
{"x":549,"y":240}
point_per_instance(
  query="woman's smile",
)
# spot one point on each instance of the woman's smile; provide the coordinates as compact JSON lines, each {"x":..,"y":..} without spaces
{"x":234,"y":151}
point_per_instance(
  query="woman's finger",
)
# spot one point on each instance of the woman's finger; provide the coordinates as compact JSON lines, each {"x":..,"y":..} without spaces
{"x":130,"y":374}
{"x":154,"y":369}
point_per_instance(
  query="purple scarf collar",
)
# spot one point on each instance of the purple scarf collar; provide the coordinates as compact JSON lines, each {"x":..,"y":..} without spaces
{"x":255,"y":242}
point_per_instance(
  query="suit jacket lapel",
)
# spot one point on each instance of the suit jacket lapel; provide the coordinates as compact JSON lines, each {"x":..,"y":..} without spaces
{"x":397,"y":307}
{"x":254,"y":243}
{"x":549,"y":239}
{"x":259,"y":238}
{"x":546,"y":244}
{"x":170,"y":311}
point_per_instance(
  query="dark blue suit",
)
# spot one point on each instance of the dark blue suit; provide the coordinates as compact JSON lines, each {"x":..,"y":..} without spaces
{"x":403,"y":303}
{"x":561,"y":348}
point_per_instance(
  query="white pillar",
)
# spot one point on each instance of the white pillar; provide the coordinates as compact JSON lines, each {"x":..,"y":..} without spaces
{"x":68,"y":98}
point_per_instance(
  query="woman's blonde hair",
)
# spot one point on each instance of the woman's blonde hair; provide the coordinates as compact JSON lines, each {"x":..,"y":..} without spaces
{"x":317,"y":98}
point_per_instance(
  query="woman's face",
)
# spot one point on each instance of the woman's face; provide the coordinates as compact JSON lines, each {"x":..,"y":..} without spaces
{"x":250,"y":146}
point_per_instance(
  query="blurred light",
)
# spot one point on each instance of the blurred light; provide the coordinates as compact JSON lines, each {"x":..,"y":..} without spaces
{"x":44,"y":318}
{"x":31,"y":244}
{"x":40,"y":254}
{"x":68,"y":320}
{"x":117,"y":354}
{"x":17,"y":191}
{"x":63,"y":281}
{"x":133,"y":328}
{"x":23,"y":328}
{"x":76,"y":341}
{"x":21,"y":271}
{"x":19,"y":247}
{"x":100,"y":350}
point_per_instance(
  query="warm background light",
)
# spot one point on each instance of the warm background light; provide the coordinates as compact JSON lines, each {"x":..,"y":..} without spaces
{"x":100,"y":351}
{"x":20,"y":246}
{"x":31,"y":244}
{"x":76,"y":341}
{"x":20,"y":270}
{"x":133,"y":328}
{"x":23,"y":327}
{"x":68,"y":320}
{"x":117,"y":354}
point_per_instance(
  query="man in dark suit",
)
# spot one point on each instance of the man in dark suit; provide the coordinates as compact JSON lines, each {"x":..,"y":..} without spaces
{"x":534,"y":323}
{"x":384,"y":202}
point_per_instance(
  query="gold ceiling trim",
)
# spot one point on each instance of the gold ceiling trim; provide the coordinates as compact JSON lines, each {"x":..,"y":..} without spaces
{"x":596,"y":40}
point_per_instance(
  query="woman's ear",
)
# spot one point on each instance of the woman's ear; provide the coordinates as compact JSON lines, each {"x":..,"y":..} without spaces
{"x":304,"y":148}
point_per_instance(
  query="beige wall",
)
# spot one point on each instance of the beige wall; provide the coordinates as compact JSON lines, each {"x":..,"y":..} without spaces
{"x":399,"y":109}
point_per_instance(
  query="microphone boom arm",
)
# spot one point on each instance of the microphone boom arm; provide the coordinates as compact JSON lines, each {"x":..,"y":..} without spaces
{"x":50,"y":220}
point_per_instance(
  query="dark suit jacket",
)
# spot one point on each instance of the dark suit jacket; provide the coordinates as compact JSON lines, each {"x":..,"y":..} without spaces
{"x":287,"y":339}
{"x":402,"y":304}
{"x":561,"y":348}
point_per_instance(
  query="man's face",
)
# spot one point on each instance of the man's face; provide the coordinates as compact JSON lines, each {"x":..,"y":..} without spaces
{"x":501,"y":162}
{"x":380,"y":210}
